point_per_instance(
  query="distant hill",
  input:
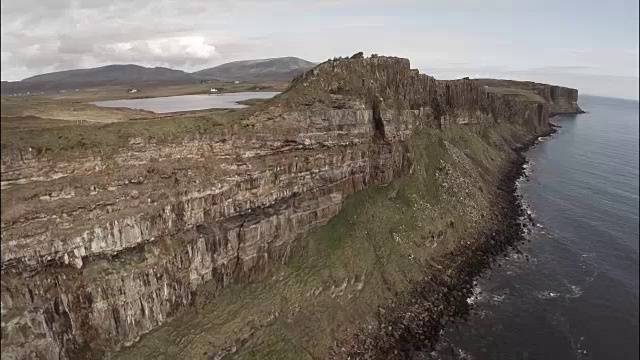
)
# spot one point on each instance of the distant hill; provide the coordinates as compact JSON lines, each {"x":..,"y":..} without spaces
{"x":275,"y":69}
{"x":111,"y":74}
{"x":130,"y":75}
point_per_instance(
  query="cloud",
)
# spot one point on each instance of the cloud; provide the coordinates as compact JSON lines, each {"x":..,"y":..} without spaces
{"x":58,"y":35}
{"x":601,"y":39}
{"x":171,"y":51}
{"x":575,"y":77}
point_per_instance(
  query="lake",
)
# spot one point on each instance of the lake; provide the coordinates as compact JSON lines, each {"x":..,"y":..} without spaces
{"x":188,"y":102}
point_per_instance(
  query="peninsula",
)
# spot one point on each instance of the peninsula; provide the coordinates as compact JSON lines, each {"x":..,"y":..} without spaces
{"x":346,"y":217}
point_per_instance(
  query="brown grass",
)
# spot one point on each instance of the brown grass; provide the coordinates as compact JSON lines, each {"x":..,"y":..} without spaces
{"x":520,"y":94}
{"x":523,"y":90}
{"x":75,"y":106}
{"x":66,"y":110}
{"x":107,"y":139}
{"x":30,"y":122}
{"x":251,"y":102}
{"x":56,"y":124}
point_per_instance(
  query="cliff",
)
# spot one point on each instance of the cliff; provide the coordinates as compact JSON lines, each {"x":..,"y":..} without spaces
{"x":97,"y":251}
{"x":561,"y":100}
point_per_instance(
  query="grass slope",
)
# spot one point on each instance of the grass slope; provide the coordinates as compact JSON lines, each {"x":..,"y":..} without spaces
{"x":340,"y":274}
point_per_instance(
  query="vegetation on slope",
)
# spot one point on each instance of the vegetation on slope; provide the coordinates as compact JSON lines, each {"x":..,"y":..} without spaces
{"x":374,"y":250}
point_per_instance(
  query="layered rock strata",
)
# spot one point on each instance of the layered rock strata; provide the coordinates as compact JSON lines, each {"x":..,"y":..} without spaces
{"x":97,"y":252}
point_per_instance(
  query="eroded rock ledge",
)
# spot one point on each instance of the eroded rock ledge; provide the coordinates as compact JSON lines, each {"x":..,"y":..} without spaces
{"x":96,"y":253}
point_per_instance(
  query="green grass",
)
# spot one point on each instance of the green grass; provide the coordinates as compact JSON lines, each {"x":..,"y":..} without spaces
{"x":520,"y":94}
{"x":63,"y":125}
{"x":251,"y":102}
{"x":108,"y":139}
{"x":381,"y":238}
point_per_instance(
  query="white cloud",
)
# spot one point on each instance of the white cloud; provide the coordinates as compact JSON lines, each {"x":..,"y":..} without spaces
{"x":188,"y":46}
{"x":42,"y":36}
{"x":587,"y":83}
{"x":170,"y":51}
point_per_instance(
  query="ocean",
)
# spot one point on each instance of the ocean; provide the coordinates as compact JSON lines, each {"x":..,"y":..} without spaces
{"x":573,"y":291}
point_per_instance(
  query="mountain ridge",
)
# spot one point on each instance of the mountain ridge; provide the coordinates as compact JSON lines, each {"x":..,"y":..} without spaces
{"x":269,"y":69}
{"x":282,"y":68}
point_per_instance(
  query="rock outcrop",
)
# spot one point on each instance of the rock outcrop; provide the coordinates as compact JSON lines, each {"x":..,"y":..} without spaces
{"x":561,"y":100}
{"x":96,"y":253}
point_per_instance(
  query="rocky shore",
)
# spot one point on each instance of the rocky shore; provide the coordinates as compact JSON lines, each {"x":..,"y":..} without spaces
{"x":409,"y":326}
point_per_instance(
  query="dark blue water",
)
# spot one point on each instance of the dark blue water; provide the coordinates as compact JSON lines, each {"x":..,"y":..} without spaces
{"x":574,"y":292}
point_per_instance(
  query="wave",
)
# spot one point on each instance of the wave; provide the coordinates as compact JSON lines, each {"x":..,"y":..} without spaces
{"x":547,"y":294}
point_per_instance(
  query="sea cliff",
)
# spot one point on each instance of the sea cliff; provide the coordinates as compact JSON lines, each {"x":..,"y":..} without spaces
{"x":340,"y":195}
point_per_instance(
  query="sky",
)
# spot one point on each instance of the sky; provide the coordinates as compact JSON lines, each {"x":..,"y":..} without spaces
{"x":590,"y":45}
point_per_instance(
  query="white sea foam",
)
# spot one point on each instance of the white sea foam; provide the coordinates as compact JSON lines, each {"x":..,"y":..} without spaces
{"x":498,"y":298}
{"x":575,"y":291}
{"x":463,"y":355}
{"x":580,"y":352}
{"x":477,"y":296}
{"x":547,"y":294}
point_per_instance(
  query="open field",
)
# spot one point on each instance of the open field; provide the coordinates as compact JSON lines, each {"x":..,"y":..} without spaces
{"x":63,"y":123}
{"x":521,"y":94}
{"x":31,"y":122}
{"x":523,"y":90}
{"x":52,"y":138}
{"x":73,"y":111}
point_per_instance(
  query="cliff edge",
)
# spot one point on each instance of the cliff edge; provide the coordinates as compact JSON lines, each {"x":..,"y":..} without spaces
{"x":561,"y":100}
{"x":277,"y":234}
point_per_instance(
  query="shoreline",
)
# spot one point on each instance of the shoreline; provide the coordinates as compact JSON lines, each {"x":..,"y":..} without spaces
{"x":576,"y":112}
{"x":412,"y":324}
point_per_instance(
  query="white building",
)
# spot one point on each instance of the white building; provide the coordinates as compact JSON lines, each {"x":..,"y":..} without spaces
{"x":236,"y":82}
{"x":214,"y":90}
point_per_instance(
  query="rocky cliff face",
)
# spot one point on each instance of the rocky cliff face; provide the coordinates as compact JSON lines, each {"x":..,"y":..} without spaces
{"x":96,"y":253}
{"x":561,"y":100}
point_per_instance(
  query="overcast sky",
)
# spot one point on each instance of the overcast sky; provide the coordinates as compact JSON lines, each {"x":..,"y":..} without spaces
{"x":588,"y":44}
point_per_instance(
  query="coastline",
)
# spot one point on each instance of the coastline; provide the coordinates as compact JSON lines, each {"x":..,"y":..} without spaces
{"x":582,"y":252}
{"x":577,"y":112}
{"x":280,"y":234}
{"x":412,"y":324}
{"x":368,"y":318}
